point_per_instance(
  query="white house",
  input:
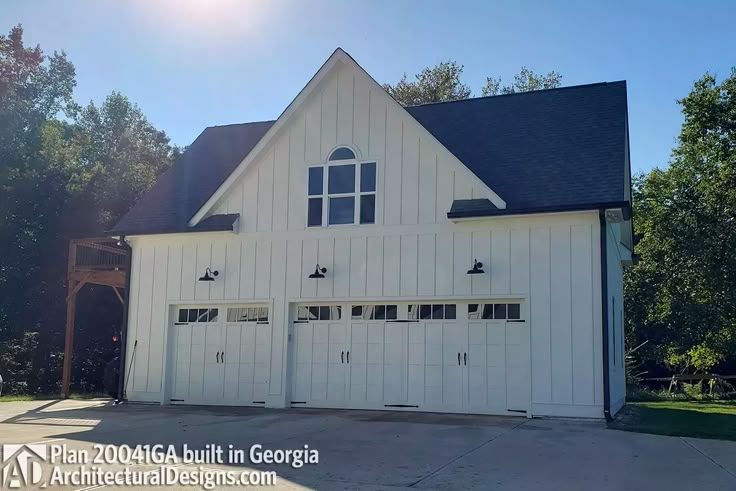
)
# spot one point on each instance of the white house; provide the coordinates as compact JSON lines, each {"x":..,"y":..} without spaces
{"x":461,"y":257}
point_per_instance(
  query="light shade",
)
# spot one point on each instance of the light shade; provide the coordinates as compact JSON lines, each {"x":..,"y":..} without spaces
{"x":318,"y":273}
{"x":209,"y":275}
{"x":477,"y":268}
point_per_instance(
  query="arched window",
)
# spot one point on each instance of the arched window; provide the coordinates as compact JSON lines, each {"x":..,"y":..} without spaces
{"x":341,"y":153}
{"x":341,"y":191}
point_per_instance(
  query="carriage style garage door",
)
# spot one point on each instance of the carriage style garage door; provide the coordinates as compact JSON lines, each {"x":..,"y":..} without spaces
{"x":221,"y":355}
{"x":449,"y":357}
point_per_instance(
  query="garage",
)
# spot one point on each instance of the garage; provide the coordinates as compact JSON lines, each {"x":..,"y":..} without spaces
{"x":468,"y":357}
{"x":221,"y":355}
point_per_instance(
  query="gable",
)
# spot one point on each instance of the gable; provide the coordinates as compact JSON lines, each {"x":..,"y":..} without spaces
{"x":417,"y":177}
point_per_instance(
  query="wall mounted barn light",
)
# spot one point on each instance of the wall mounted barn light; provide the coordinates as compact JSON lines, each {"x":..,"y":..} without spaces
{"x":477,"y":268}
{"x":207,"y":276}
{"x":318,"y":273}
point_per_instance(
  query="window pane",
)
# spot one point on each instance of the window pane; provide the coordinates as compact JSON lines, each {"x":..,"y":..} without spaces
{"x":357,"y":312}
{"x":213,"y":315}
{"x":342,"y":153}
{"x":315,"y":180}
{"x":302,"y":313}
{"x":342,"y":210}
{"x":183,"y":315}
{"x":368,"y":208}
{"x":413,"y":313}
{"x":380,"y":312}
{"x":335,"y":313}
{"x":499,"y":311}
{"x":324,"y":313}
{"x":192,"y":315}
{"x":314,"y":218}
{"x":437,"y":312}
{"x":341,"y":179}
{"x":313,"y":313}
{"x":473,"y":311}
{"x":202,"y":315}
{"x":514,"y":311}
{"x":392,"y":312}
{"x":488,"y":311}
{"x":368,"y":177}
{"x":450,"y":311}
{"x":368,"y":311}
{"x":263,"y":314}
{"x":425,"y":312}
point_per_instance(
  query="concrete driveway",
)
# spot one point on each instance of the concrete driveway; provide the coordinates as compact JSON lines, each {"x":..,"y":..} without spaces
{"x":390,"y":450}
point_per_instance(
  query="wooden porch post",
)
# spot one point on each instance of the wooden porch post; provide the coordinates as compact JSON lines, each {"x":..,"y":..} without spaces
{"x":71,"y":304}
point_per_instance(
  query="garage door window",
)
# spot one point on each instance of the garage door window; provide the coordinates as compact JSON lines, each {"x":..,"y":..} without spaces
{"x":499,"y":311}
{"x":433,"y":311}
{"x":248,"y":314}
{"x":197,"y":315}
{"x":319,"y":313}
{"x":375,"y":312}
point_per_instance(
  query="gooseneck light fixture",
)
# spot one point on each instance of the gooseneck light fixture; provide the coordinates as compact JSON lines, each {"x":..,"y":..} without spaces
{"x":477,"y":268}
{"x":318,"y":273}
{"x":209,"y":275}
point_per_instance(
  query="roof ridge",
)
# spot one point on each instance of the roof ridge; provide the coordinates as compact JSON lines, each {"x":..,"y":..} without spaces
{"x":242,"y":124}
{"x":594,"y":84}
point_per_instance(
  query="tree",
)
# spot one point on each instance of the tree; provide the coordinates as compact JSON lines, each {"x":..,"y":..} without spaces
{"x":524,"y":81}
{"x":681,"y":294}
{"x":442,"y":83}
{"x":436,"y":84}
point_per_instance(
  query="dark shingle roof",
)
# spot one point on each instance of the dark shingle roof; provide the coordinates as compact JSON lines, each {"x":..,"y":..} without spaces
{"x":544,"y":149}
{"x":194,"y":177}
{"x":557,"y":149}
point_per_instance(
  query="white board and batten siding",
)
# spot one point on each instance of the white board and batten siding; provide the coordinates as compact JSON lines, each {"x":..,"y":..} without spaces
{"x":549,"y":263}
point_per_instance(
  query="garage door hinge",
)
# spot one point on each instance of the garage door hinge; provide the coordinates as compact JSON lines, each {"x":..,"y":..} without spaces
{"x":258,"y":402}
{"x":399,"y":405}
{"x":517,"y":411}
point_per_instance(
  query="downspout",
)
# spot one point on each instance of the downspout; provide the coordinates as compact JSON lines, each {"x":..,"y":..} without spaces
{"x":124,"y":327}
{"x":604,"y":316}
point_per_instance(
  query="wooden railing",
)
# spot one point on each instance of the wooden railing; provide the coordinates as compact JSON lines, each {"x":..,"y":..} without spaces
{"x":96,"y":254}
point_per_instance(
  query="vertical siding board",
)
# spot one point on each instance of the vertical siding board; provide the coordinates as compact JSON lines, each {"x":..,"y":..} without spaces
{"x":326,"y":260}
{"x":329,"y":116}
{"x":232,"y":270}
{"x":582,"y":315}
{"x":297,"y":175}
{"x":204,"y":255}
{"x":265,"y":192}
{"x":188,"y":270}
{"x":279,"y":321}
{"x":247,"y":269}
{"x":361,"y":114}
{"x":377,"y":127}
{"x":249,"y":216}
{"x":309,"y":262}
{"x":540,"y":315}
{"x":133,"y":327}
{"x":173,"y":272}
{"x":313,"y":128}
{"x":358,"y":267}
{"x":391,"y":265}
{"x":263,"y":269}
{"x":427,"y":182}
{"x":426,"y":265}
{"x":145,"y":304}
{"x":444,"y":264}
{"x":218,"y":263}
{"x":463,"y":188}
{"x":281,"y":196}
{"x":345,"y":106}
{"x":294,"y":269}
{"x":341,"y":268}
{"x":410,"y":174}
{"x":392,"y":168}
{"x":409,"y":257}
{"x":596,"y":320}
{"x":560,"y":315}
{"x":445,"y":189}
{"x":158,"y":324}
{"x":234,"y":202}
{"x":374,"y":268}
{"x":519,"y":261}
{"x":481,"y":250}
{"x":463,"y":261}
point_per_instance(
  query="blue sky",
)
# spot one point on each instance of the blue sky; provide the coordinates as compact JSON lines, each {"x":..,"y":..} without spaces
{"x":195,"y":63}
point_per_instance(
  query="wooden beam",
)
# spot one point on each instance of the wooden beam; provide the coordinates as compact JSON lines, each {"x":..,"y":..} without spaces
{"x":105,"y":278}
{"x":79,"y":284}
{"x":120,"y":297}
{"x":66,"y":377}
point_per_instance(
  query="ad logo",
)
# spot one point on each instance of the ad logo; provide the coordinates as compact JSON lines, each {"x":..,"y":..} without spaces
{"x":22,"y":465}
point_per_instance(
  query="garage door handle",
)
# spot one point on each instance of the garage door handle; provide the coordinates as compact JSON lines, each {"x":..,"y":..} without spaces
{"x":342,"y":357}
{"x":466,"y":358}
{"x":348,"y":357}
{"x":218,"y":357}
{"x":458,"y":358}
{"x":222,"y":356}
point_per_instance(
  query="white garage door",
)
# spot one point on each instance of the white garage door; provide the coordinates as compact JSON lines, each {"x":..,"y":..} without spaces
{"x":221,"y":355}
{"x":450,"y":357}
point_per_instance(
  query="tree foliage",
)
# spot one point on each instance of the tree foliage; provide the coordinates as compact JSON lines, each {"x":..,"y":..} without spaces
{"x":681,"y":295}
{"x":65,"y":171}
{"x":442,"y":83}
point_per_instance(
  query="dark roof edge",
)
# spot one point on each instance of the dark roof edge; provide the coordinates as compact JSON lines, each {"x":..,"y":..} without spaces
{"x":529,"y":92}
{"x":226,"y":226}
{"x":544,"y":209}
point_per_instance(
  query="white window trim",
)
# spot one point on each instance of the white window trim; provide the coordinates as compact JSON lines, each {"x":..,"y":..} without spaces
{"x":325,"y":196}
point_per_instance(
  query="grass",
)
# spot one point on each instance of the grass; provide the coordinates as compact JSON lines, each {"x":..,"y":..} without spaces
{"x":48,"y":397}
{"x":698,"y":419}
